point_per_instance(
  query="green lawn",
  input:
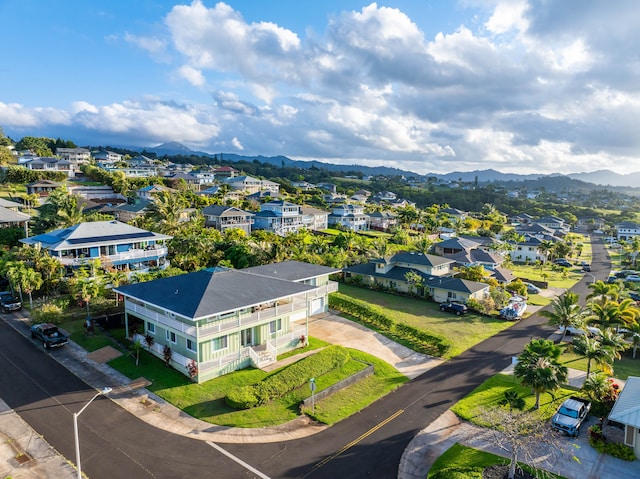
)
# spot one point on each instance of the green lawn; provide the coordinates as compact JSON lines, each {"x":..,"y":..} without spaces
{"x":206,"y":401}
{"x":622,"y":368}
{"x":492,"y":391}
{"x":461,"y":457}
{"x":463,"y":331}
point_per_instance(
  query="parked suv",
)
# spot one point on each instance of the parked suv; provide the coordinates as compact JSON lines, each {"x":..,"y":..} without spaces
{"x":8,"y":302}
{"x":563,"y":262}
{"x":457,"y":308}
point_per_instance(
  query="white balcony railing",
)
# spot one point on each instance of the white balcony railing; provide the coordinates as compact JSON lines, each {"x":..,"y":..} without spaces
{"x":163,"y":319}
{"x":133,"y":254}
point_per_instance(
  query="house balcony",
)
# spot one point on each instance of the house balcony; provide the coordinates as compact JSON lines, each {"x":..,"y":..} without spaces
{"x":126,"y":256}
{"x":160,"y":318}
{"x":258,"y":316}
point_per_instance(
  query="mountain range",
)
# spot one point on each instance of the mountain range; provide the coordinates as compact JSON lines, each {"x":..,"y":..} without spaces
{"x":600,"y":177}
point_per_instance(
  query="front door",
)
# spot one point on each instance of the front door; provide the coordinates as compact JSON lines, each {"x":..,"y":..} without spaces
{"x":246,"y":337}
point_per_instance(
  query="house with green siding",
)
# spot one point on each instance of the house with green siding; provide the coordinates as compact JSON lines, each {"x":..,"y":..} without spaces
{"x":219,"y":320}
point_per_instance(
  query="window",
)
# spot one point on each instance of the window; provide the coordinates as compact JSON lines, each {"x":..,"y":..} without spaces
{"x":191,"y":345}
{"x":275,"y":326}
{"x":451,"y":295}
{"x":171,"y":336}
{"x":151,"y":328}
{"x":219,"y":343}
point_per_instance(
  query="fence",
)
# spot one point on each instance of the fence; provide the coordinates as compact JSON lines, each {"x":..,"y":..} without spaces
{"x":354,"y":378}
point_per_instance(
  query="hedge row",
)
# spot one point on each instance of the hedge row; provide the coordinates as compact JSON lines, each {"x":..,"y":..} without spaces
{"x":288,"y":379}
{"x":431,"y":343}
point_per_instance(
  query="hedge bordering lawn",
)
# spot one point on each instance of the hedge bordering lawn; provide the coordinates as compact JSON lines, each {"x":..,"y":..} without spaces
{"x":287,"y":379}
{"x":425,"y":342}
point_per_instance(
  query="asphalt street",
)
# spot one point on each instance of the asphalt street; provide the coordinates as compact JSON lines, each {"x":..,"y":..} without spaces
{"x":114,"y":443}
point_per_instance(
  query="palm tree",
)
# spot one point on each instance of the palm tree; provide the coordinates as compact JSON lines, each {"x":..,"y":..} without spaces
{"x":601,"y":291}
{"x":614,"y":342}
{"x":566,"y":312}
{"x":592,"y":350}
{"x":513,"y":400}
{"x":166,"y":210}
{"x":634,"y":330}
{"x":538,"y":367}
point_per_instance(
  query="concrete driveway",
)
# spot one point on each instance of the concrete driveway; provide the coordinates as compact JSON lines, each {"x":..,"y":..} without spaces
{"x":333,"y":329}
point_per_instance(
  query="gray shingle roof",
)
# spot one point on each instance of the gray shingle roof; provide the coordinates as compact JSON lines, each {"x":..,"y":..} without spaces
{"x":206,"y":293}
{"x":292,"y":270}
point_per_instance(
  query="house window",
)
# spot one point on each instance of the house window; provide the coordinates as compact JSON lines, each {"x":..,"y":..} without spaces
{"x":151,"y":328}
{"x":191,"y":345}
{"x":451,"y":295}
{"x":275,"y":326}
{"x":219,"y":343}
{"x":171,"y":336}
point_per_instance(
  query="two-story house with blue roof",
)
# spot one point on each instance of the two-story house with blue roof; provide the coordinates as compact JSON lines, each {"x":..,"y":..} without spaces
{"x":280,"y":217}
{"x":124,"y":247}
{"x":221,"y":320}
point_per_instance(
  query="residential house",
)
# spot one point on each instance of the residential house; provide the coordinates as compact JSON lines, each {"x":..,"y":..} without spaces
{"x":467,"y":251}
{"x":106,"y":157}
{"x":149,"y":192}
{"x":385,"y":196}
{"x":128,"y":211}
{"x":434,"y":273}
{"x":314,"y":219}
{"x":261,"y":196}
{"x":225,"y":217}
{"x":223,"y":172}
{"x":11,"y":205}
{"x":280,"y":217}
{"x":528,"y":251}
{"x":626,"y":411}
{"x":382,"y":220}
{"x":10,"y":218}
{"x":114,"y":243}
{"x":303,"y":185}
{"x":95,"y":192}
{"x":52,"y":164}
{"x":43,"y":187}
{"x":454,"y":213}
{"x":246,"y":184}
{"x":349,"y":216}
{"x":523,"y":219}
{"x":330,"y":187}
{"x":192,"y":181}
{"x":270,"y":186}
{"x":221,"y":320}
{"x":553,"y":222}
{"x":210,"y":192}
{"x":627,"y":230}
{"x":77,"y":156}
{"x":590,"y":223}
{"x":334,"y":198}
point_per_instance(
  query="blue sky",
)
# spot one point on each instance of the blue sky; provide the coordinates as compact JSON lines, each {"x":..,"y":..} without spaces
{"x":528,"y":86}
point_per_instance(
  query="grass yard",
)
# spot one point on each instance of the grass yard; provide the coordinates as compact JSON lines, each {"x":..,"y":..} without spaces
{"x":206,"y":401}
{"x":460,"y":457}
{"x":463,"y":331}
{"x":492,"y":391}
{"x":622,"y":368}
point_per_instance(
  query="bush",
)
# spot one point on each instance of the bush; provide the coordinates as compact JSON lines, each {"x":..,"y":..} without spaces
{"x":614,"y":449}
{"x":429,"y":343}
{"x":288,"y":379}
{"x":47,"y":313}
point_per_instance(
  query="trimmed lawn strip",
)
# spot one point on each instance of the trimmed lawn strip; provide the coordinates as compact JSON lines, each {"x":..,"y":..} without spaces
{"x":459,"y":456}
{"x":206,"y":401}
{"x":622,"y":368}
{"x":491,"y":392}
{"x":462,"y":331}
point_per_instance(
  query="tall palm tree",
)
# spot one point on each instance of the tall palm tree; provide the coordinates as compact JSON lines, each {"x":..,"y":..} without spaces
{"x":602,"y":291}
{"x":538,"y":367}
{"x":166,"y":210}
{"x":634,"y":332}
{"x":592,"y":350}
{"x":614,"y":342}
{"x":566,"y":312}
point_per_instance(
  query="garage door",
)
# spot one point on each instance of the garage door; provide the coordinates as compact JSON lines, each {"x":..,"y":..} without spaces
{"x":317,"y":306}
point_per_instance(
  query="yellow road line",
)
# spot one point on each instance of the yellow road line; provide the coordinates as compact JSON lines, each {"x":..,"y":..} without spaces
{"x":355,"y":441}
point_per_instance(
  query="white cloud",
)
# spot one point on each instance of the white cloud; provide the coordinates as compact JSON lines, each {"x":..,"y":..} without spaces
{"x":192,"y":75}
{"x":236,"y":144}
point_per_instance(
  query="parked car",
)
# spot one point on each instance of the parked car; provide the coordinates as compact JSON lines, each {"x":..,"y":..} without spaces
{"x":633,"y":278}
{"x":457,"y":308}
{"x":532,"y":288}
{"x":635,"y":296}
{"x":572,"y":331}
{"x":49,"y":334}
{"x":8,"y":302}
{"x":570,"y":416}
{"x":565,"y":263}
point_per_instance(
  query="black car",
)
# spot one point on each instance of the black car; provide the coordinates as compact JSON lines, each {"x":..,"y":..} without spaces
{"x":457,"y":308}
{"x":586,"y":268}
{"x":49,"y":334}
{"x":8,"y":302}
{"x":563,"y":262}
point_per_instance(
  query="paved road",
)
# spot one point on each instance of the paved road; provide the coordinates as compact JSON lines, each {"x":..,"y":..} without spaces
{"x":369,"y":444}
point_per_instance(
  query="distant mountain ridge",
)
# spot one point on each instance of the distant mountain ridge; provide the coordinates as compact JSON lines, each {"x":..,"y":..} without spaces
{"x":600,"y":177}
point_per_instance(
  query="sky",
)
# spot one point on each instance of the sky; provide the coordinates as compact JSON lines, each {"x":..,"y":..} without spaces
{"x":520,"y":86}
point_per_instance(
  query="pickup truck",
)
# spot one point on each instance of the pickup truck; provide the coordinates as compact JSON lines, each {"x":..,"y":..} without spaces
{"x":49,"y":334}
{"x":570,"y":415}
{"x":457,"y":308}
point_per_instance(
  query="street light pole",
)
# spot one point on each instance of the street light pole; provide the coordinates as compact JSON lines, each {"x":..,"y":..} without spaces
{"x":105,"y":391}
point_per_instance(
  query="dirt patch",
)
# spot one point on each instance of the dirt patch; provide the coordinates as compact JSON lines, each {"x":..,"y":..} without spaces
{"x":104,"y":355}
